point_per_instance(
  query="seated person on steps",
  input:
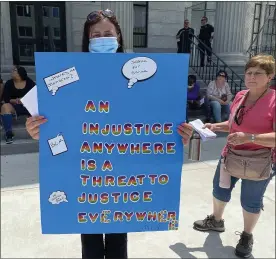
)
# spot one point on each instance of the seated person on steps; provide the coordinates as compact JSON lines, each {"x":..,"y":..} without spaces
{"x":220,"y":96}
{"x":197,"y":100}
{"x":14,"y":89}
{"x":1,"y":95}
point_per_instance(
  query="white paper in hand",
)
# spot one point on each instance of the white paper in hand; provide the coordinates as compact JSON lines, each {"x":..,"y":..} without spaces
{"x":30,"y":101}
{"x":205,"y":134}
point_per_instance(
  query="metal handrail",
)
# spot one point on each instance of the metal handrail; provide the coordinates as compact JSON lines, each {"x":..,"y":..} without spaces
{"x":207,"y":73}
{"x":269,"y":16}
{"x":262,"y":49}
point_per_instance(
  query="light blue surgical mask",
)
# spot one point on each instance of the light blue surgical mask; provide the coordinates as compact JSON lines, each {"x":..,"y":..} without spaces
{"x":103,"y":45}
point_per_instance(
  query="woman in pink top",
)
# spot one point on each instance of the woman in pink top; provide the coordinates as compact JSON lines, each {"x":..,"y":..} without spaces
{"x":253,"y":128}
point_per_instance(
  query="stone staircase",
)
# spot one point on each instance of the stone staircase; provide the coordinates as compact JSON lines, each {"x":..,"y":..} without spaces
{"x":208,"y":72}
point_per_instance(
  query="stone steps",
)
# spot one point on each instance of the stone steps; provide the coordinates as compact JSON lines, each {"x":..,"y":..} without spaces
{"x":22,"y":144}
{"x":19,"y":146}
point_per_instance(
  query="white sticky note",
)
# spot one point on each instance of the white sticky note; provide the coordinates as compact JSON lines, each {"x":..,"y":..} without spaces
{"x":54,"y":82}
{"x":57,"y":145}
{"x":30,"y":101}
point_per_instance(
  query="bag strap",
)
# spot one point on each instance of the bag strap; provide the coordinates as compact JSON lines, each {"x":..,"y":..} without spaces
{"x":228,"y":147}
{"x":236,"y":109}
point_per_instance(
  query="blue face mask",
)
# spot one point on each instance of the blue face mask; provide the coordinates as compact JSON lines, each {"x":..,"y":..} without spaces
{"x":103,"y":45}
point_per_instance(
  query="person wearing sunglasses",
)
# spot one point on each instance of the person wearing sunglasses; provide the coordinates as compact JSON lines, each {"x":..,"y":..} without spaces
{"x":206,"y":35}
{"x":220,"y":96}
{"x":251,"y":128}
{"x":101,"y":34}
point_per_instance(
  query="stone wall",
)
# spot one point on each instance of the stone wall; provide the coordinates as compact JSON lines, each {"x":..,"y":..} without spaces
{"x":164,"y":21}
{"x":76,"y":13}
{"x":5,"y":41}
{"x":1,"y":41}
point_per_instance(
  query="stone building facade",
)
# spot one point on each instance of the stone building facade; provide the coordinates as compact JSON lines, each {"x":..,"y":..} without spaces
{"x":147,"y":27}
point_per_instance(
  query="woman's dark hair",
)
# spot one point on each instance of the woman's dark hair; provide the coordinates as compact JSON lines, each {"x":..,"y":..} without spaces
{"x":192,"y":78}
{"x":222,"y":73}
{"x":22,"y":73}
{"x":87,"y":26}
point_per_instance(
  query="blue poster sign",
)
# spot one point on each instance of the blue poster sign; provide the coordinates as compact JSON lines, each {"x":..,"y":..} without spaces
{"x":110,"y":156}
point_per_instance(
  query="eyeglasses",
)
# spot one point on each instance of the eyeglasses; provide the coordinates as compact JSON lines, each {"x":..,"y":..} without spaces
{"x":239,"y":115}
{"x":255,"y":74}
{"x":93,"y":16}
{"x":203,"y":20}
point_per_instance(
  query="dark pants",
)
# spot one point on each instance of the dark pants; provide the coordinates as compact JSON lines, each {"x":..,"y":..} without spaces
{"x":97,"y":246}
{"x":204,"y":49}
{"x":185,"y":47}
{"x":195,"y":106}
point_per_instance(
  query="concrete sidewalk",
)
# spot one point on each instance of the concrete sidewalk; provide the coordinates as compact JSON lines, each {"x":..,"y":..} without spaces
{"x":20,"y":225}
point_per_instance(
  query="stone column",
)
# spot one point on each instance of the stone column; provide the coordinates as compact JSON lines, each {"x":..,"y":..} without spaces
{"x":229,"y":33}
{"x":124,"y":13}
{"x":248,"y":28}
{"x":69,"y":26}
{"x":6,"y":40}
{"x":1,"y":36}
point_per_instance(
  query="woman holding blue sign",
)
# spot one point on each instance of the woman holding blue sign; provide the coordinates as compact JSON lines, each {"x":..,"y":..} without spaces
{"x":101,"y":34}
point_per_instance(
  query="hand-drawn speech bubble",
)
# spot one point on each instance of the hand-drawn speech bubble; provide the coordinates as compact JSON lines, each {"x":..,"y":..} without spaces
{"x":138,"y":69}
{"x":57,"y":197}
{"x":66,"y":77}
